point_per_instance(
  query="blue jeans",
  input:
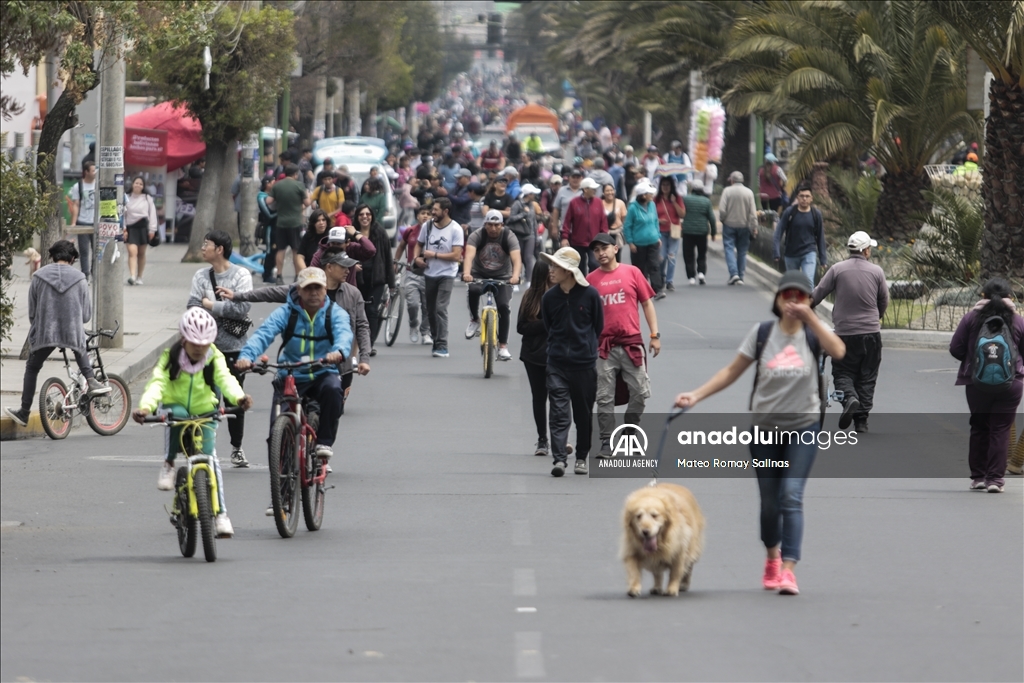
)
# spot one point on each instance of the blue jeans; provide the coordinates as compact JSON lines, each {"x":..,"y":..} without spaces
{"x":782,"y":490}
{"x":669,"y":249}
{"x":736,"y":241}
{"x":807,"y":263}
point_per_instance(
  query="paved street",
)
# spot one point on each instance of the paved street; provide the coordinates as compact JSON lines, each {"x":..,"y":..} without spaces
{"x":448,"y":552}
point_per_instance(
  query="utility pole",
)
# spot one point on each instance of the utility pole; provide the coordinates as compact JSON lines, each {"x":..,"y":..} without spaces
{"x":354,"y":122}
{"x":248,"y":190}
{"x":109,"y":270}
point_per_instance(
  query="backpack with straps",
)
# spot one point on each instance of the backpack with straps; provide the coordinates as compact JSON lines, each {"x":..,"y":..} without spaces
{"x":174,"y":367}
{"x":765,"y":329}
{"x":994,"y":361}
{"x":293,"y":319}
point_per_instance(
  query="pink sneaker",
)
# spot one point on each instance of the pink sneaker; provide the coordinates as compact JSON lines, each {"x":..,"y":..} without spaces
{"x":772,"y":572}
{"x":787,"y":583}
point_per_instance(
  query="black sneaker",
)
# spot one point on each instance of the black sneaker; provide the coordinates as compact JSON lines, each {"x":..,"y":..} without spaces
{"x":542,"y":447}
{"x":860,"y":426}
{"x":558,"y":469}
{"x":670,"y":287}
{"x":852,"y":406}
{"x":606,"y":451}
{"x":20,"y":416}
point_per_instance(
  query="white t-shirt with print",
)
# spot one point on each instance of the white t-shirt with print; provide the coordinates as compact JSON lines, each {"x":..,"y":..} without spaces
{"x":442,"y":240}
{"x":787,"y":385}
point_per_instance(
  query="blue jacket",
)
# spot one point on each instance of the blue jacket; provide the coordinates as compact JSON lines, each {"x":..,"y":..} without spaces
{"x":641,"y":225}
{"x":298,"y":347}
{"x":513,"y":188}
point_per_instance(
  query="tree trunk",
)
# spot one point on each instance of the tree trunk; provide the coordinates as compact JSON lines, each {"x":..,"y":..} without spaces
{"x":206,"y":205}
{"x":58,"y":120}
{"x":227,"y":217}
{"x":1002,"y":245}
{"x":900,"y":199}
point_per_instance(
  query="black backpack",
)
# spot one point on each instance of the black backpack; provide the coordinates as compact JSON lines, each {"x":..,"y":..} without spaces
{"x":174,"y":368}
{"x":763,"y":330}
{"x":293,"y":319}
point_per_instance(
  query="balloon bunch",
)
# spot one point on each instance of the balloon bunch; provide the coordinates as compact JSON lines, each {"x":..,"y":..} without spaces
{"x":707,"y":132}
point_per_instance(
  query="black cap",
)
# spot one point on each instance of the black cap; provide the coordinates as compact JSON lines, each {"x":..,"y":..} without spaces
{"x":602,"y":238}
{"x":576,"y":171}
{"x":794,"y":279}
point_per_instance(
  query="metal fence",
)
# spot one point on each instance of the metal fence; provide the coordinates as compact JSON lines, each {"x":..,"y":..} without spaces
{"x":915,"y":302}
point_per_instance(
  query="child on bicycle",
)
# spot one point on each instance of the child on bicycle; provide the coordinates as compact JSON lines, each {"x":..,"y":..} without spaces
{"x":185,"y":381}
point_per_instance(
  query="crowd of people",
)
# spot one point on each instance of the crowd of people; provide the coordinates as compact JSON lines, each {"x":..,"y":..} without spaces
{"x":556,"y":233}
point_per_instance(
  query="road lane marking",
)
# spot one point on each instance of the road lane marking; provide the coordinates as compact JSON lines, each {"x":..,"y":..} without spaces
{"x":526,"y":610}
{"x":529,"y":658}
{"x":524,"y":582}
{"x":521,"y":532}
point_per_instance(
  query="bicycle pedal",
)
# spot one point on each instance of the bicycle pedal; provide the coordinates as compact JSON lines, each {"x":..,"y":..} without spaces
{"x":328,"y":488}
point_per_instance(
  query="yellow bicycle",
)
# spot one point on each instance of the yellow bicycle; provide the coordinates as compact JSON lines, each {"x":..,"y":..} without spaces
{"x":488,"y":323}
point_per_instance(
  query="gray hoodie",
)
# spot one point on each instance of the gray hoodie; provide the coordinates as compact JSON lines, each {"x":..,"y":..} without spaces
{"x":59,"y":305}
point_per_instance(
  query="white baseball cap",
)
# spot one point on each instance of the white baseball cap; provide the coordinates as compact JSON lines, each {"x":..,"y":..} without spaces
{"x":529,"y":189}
{"x":589,"y":184}
{"x":494,"y":216}
{"x":337,"y":235}
{"x":859,"y":241}
{"x":645,"y":187}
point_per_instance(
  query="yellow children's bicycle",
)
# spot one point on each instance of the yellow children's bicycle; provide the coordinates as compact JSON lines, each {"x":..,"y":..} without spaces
{"x":196,"y":501}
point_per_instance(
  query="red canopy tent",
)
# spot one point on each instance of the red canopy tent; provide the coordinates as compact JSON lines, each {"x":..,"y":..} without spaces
{"x":184,"y":134}
{"x":534,"y":114}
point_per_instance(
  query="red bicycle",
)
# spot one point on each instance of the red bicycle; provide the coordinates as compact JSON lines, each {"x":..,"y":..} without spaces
{"x":293,"y":468}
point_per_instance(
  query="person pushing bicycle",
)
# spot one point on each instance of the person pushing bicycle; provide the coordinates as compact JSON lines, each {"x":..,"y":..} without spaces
{"x":184,"y":382}
{"x":311,"y":328}
{"x":492,"y":254}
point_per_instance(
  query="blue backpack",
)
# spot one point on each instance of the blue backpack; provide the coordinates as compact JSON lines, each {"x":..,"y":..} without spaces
{"x":994,"y":362}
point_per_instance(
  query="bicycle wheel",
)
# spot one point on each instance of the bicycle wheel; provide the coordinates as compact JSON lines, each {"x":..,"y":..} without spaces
{"x":55,"y":419}
{"x":488,"y":333}
{"x":108,"y":413}
{"x":186,"y":523}
{"x":284,"y":476}
{"x":201,"y":486}
{"x":393,"y":320}
{"x":313,"y":495}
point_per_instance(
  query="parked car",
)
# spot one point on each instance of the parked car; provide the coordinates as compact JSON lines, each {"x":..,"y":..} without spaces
{"x":350,"y":149}
{"x":359,"y":171}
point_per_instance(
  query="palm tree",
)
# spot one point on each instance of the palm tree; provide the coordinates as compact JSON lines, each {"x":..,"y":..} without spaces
{"x":850,"y":77}
{"x":995,"y":30}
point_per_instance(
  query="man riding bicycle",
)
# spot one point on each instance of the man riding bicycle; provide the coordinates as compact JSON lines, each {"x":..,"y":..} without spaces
{"x":311,"y":327}
{"x":492,"y":254}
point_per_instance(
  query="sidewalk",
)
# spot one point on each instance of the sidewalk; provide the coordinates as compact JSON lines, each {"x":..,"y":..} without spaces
{"x":150,"y":324}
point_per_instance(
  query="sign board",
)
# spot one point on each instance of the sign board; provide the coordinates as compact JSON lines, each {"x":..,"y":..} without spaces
{"x":110,"y":157}
{"x":145,"y":147}
{"x":105,"y":232}
{"x":108,"y":203}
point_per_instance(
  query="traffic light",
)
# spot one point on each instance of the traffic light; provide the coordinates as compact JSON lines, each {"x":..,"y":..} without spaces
{"x":494,"y":28}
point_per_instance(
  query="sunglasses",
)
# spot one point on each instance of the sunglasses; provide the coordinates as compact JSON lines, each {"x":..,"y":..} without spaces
{"x":794,"y":295}
{"x":364,"y":214}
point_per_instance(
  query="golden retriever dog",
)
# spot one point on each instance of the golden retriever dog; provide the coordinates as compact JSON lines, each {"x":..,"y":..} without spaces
{"x":662,"y":529}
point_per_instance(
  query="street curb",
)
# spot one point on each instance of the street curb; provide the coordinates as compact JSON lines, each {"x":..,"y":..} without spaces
{"x":12,"y":431}
{"x":768,"y":277}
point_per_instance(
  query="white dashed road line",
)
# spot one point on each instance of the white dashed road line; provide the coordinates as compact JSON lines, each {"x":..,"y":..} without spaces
{"x":529,"y":659}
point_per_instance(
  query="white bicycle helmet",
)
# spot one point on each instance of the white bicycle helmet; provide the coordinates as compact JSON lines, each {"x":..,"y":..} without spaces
{"x":198,"y":326}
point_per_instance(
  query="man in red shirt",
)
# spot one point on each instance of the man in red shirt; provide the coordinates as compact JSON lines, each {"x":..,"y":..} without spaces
{"x":492,"y":160}
{"x":584,"y":220}
{"x":620,"y":348}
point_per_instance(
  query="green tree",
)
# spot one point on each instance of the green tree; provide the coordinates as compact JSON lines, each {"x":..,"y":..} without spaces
{"x":849,"y":77}
{"x":252,"y":56}
{"x":71,"y":33}
{"x":995,"y":29}
{"x":23,"y":213}
{"x":422,"y":46}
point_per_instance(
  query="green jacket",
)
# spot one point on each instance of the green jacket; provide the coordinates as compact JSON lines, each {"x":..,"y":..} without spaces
{"x":700,"y":216}
{"x":188,"y":390}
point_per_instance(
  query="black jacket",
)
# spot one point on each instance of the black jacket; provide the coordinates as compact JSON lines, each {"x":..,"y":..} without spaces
{"x":380,"y":269}
{"x":534,"y":348}
{"x":574,"y":321}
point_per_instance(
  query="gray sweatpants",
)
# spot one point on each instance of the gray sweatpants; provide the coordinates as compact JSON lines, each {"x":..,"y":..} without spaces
{"x":635,"y":378}
{"x":438,"y":291}
{"x":415,"y":289}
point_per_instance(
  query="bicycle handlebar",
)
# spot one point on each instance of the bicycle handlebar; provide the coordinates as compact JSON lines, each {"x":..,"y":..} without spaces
{"x":265,"y":366}
{"x":104,"y":333}
{"x":218,"y":414}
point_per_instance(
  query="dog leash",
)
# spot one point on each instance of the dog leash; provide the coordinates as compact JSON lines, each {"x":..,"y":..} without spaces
{"x":672,"y":415}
